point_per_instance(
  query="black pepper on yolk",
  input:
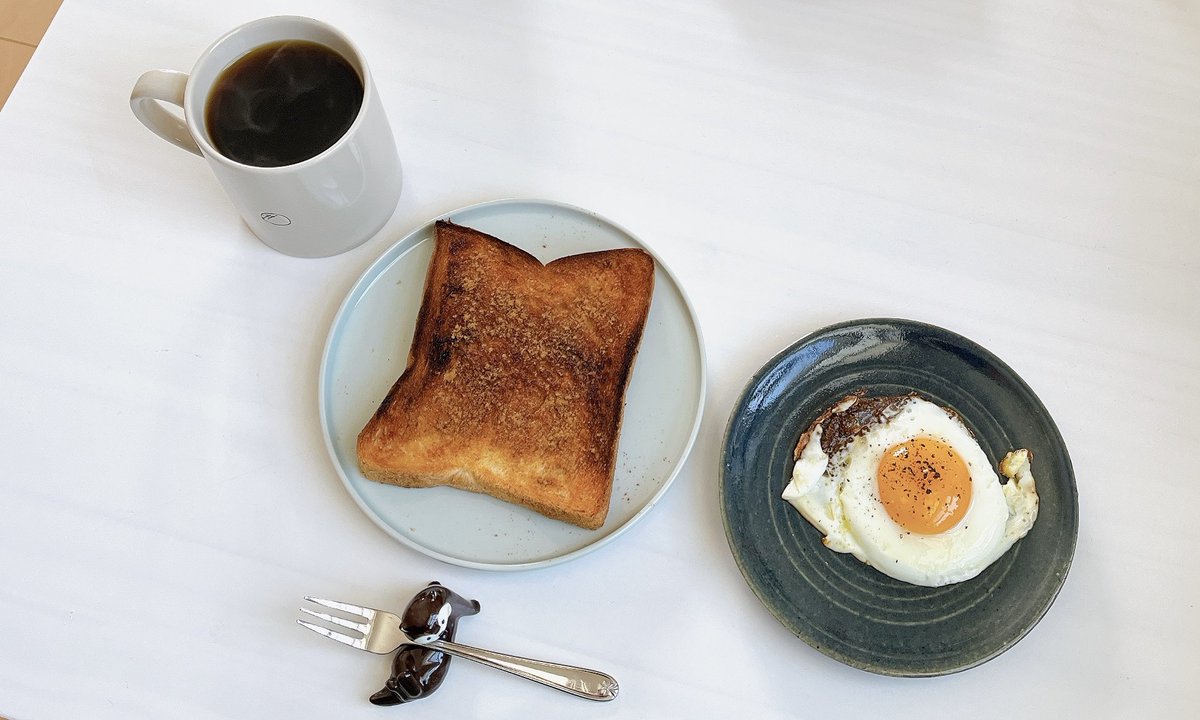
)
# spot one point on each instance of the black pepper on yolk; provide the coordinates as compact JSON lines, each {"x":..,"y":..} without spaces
{"x":924,"y":485}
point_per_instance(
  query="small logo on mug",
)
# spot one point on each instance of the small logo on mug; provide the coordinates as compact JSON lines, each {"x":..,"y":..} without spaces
{"x":276,"y":219}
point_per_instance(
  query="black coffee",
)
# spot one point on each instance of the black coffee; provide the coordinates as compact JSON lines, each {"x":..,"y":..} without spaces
{"x":282,"y":103}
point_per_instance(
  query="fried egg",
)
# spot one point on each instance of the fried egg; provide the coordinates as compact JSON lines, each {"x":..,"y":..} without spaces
{"x":901,"y":484}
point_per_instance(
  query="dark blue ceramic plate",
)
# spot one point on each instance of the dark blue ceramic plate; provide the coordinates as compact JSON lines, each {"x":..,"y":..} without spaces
{"x":835,"y":603}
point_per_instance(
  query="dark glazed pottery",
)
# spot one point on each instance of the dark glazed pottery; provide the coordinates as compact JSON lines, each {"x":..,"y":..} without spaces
{"x":835,"y":603}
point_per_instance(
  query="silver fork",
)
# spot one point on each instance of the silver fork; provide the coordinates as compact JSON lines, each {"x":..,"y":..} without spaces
{"x":379,"y":631}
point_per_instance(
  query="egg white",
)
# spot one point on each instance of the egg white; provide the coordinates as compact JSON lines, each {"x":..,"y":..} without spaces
{"x":839,"y":495}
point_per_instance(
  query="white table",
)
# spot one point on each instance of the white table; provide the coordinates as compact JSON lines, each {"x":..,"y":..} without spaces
{"x":1026,"y":174}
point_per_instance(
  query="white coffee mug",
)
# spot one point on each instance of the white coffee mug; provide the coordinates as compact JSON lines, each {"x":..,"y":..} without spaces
{"x":321,"y":206}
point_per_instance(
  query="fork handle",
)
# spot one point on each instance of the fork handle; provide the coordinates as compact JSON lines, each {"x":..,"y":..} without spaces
{"x":584,"y":683}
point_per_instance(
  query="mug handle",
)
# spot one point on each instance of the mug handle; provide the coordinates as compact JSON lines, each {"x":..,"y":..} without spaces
{"x":151,"y":90}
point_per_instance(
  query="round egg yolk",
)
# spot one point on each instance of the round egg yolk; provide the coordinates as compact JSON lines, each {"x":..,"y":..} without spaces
{"x":924,"y":485}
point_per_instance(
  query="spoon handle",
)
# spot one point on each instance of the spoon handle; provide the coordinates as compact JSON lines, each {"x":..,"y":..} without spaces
{"x":584,"y":683}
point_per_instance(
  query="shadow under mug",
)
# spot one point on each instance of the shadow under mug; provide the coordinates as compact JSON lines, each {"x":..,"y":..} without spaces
{"x":322,"y":206}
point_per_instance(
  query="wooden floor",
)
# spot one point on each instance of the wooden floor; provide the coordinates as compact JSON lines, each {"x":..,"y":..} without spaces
{"x":22,"y":25}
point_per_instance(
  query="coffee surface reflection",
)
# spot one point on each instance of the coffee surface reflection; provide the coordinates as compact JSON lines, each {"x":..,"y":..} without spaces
{"x":282,"y":103}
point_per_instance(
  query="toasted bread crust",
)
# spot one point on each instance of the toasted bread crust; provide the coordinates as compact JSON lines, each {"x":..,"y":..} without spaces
{"x":516,"y":376}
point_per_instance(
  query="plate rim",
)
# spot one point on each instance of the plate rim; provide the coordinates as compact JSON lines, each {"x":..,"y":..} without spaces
{"x":738,"y":410}
{"x":389,"y":255}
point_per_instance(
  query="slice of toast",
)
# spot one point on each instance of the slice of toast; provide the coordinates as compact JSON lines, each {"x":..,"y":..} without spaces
{"x":516,"y":376}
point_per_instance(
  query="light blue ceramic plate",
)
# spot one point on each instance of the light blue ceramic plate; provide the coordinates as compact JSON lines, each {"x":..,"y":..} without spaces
{"x":368,"y":348}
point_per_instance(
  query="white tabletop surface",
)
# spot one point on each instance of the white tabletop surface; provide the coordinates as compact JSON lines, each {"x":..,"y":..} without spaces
{"x":1024,"y":173}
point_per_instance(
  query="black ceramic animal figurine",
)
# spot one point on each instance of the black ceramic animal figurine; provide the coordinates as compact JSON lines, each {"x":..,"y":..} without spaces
{"x":418,"y":671}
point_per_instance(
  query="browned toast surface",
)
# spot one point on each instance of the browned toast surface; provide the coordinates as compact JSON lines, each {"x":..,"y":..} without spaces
{"x":516,"y":376}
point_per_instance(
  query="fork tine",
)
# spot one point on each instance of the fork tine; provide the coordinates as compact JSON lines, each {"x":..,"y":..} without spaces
{"x":359,"y":643}
{"x":366,"y":612}
{"x":363,"y":628}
